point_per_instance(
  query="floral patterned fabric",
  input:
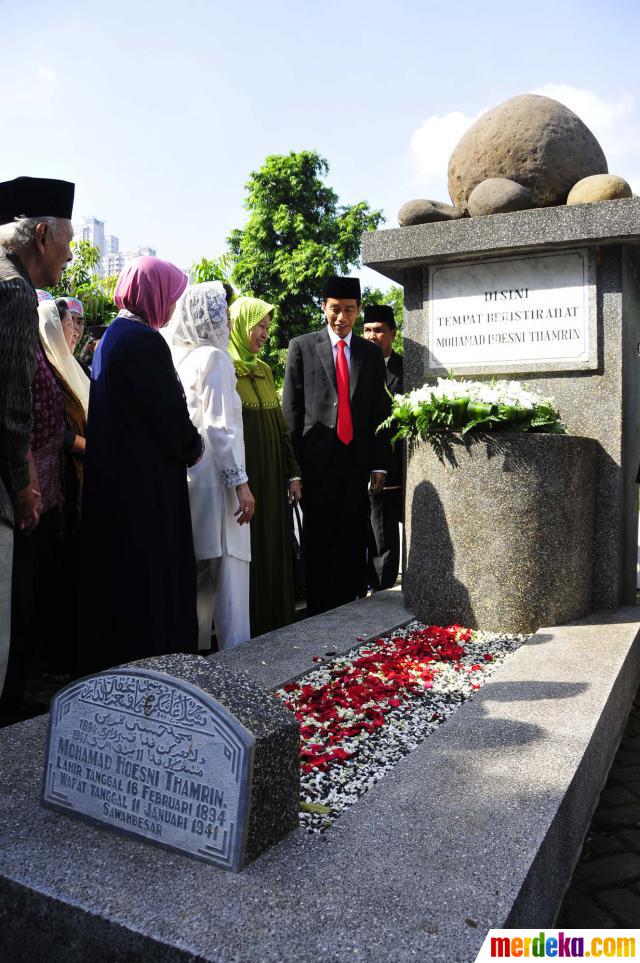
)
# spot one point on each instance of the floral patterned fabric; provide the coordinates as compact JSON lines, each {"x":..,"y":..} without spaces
{"x":47,"y":436}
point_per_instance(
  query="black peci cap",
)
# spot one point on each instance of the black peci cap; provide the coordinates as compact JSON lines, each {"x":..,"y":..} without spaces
{"x":35,"y":197}
{"x":380,"y":312}
{"x":342,"y":288}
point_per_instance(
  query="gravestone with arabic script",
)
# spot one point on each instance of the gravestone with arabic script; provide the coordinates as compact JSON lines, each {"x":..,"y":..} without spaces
{"x":177,"y":751}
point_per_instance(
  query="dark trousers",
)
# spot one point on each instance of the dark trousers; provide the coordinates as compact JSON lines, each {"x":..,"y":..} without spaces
{"x":40,"y":634}
{"x":384,"y":539}
{"x":335,"y":511}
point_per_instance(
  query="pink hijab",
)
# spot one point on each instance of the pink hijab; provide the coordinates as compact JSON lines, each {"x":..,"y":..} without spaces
{"x":148,"y":288}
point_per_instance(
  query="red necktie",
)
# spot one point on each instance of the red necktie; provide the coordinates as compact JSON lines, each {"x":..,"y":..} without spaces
{"x":345,"y":425}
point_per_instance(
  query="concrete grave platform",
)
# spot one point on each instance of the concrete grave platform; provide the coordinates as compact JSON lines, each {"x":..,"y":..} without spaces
{"x":479,"y":827}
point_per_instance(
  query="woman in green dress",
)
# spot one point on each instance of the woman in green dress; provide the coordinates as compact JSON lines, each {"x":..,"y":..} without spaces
{"x":271,"y":466}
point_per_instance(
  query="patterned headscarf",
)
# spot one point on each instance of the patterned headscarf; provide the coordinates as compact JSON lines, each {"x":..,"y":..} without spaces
{"x":74,"y":305}
{"x":245,"y":314}
{"x":148,"y":288}
{"x":200,"y":318}
{"x":43,"y":295}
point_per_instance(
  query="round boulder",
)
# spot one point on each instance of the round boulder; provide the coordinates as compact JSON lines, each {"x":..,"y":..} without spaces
{"x":497,"y":195}
{"x":424,"y":212}
{"x":533,"y":140}
{"x":599,"y":187}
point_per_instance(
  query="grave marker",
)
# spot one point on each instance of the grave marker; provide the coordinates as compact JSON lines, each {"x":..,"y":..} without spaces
{"x":153,"y":754}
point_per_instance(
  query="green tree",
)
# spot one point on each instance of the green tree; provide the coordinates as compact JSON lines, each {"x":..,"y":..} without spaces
{"x":80,"y":281}
{"x":218,"y":269}
{"x":297,"y":236}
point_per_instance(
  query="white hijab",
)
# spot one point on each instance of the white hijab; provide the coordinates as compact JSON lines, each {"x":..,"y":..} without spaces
{"x":57,"y":351}
{"x":200,"y":318}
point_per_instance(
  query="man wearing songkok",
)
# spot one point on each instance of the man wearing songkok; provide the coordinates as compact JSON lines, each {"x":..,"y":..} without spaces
{"x":35,"y":232}
{"x":386,"y":506}
{"x":334,"y":399}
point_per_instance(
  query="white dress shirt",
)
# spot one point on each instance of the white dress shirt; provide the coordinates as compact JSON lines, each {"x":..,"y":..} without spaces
{"x":334,"y":344}
{"x":333,"y":337}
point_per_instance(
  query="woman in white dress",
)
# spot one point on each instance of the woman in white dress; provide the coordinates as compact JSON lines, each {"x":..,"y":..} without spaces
{"x":221,"y":502}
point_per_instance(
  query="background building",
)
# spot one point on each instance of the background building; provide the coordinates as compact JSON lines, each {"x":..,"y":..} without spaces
{"x":112,"y":259}
{"x":90,"y":229}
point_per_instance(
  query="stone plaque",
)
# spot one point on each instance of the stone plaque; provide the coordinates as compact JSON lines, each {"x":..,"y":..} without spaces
{"x":517,"y":314}
{"x":153,"y":756}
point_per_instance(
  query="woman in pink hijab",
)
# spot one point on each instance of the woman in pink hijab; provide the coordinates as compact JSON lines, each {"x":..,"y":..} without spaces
{"x":136,"y":521}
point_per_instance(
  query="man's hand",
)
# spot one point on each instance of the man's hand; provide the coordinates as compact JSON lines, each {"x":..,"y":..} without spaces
{"x":295,"y":491}
{"x":377,"y":482}
{"x":27,"y":506}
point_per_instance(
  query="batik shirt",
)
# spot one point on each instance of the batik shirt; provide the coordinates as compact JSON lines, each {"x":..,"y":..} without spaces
{"x":18,"y":341}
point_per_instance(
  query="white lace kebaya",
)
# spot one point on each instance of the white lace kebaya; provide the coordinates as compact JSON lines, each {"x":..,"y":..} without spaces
{"x":200,"y":320}
{"x":198,"y":336}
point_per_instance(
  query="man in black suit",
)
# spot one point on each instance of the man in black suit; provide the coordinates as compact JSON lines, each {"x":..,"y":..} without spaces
{"x":334,"y":399}
{"x":386,"y":506}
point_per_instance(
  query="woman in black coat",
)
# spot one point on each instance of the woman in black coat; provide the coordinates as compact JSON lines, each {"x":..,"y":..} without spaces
{"x":138,"y":549}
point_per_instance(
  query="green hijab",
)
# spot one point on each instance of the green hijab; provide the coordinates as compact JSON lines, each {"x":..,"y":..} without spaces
{"x":245,"y":314}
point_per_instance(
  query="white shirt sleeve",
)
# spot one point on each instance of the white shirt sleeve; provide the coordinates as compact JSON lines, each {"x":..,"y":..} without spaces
{"x":217,"y":394}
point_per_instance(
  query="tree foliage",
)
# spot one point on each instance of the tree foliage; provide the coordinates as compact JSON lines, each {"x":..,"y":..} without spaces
{"x":297,"y":236}
{"x":217,"y":269}
{"x":80,"y":281}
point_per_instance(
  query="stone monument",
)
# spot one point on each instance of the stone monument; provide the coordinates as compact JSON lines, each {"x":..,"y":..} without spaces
{"x":180,"y":752}
{"x":550,"y":296}
{"x":529,"y":151}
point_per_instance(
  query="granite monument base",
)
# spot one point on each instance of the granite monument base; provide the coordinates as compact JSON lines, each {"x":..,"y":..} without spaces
{"x":496,"y":296}
{"x":499,"y":531}
{"x":506,"y":788}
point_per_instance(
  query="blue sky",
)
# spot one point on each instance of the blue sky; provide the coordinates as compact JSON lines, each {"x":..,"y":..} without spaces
{"x":159,"y":111}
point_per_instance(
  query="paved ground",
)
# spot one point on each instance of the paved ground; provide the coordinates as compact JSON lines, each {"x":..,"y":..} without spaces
{"x":605,"y":889}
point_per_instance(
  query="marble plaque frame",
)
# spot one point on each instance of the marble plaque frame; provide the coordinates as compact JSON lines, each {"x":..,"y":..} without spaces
{"x":434,"y":368}
{"x":178,"y":709}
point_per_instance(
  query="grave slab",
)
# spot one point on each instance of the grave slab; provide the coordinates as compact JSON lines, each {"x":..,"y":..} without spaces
{"x":479,"y":827}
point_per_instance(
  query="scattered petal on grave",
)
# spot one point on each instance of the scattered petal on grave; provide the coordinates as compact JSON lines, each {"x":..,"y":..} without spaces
{"x":362,"y":711}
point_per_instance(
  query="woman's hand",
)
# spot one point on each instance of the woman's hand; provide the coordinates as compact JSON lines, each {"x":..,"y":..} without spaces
{"x":246,"y":504}
{"x":295,"y":491}
{"x":79,"y":445}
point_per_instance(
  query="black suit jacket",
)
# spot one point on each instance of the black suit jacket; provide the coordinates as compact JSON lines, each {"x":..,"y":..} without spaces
{"x":395,"y":386}
{"x":310,"y":402}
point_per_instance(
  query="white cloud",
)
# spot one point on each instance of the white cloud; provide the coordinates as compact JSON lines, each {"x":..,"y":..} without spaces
{"x":615,"y":123}
{"x":47,"y":74}
{"x":431,"y":146}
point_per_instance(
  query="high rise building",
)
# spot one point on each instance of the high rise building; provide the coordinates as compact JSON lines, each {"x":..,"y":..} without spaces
{"x":111,"y":244}
{"x":114,"y":263}
{"x":112,"y":259}
{"x":91,"y":229}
